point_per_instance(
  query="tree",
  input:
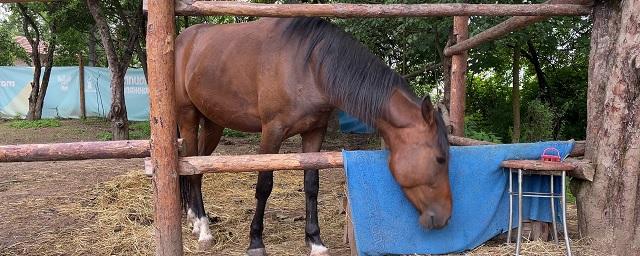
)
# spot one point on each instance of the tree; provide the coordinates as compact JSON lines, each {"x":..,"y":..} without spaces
{"x":32,"y":30}
{"x":609,"y":207}
{"x":120,"y":41}
{"x":9,"y":48}
{"x":515,"y":95}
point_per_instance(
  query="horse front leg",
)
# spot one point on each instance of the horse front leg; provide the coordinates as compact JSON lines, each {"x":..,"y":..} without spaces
{"x":312,"y":142}
{"x":272,"y":137}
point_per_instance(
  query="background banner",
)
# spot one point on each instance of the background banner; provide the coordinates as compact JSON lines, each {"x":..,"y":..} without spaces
{"x":63,"y":95}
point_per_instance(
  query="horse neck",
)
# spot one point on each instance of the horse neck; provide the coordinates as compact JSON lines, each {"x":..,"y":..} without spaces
{"x":402,"y":113}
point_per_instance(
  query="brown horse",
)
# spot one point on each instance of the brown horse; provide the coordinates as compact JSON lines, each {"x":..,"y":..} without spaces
{"x":283,"y":77}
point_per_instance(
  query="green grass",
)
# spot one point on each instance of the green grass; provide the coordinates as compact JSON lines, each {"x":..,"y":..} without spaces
{"x":142,"y":131}
{"x":139,"y":131}
{"x":104,"y":136}
{"x":94,"y":120}
{"x":233,"y":133}
{"x":35,"y":124}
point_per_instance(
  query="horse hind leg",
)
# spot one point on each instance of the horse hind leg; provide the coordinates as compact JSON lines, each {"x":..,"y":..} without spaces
{"x":312,"y":142}
{"x":191,"y":186}
{"x":272,"y":137}
{"x":208,"y":139}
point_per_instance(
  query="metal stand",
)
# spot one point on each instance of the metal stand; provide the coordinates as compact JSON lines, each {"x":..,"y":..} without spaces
{"x":551,"y":195}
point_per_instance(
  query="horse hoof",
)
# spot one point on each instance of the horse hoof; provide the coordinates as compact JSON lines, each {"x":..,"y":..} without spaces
{"x":205,"y":243}
{"x":257,"y":252}
{"x":319,"y":250}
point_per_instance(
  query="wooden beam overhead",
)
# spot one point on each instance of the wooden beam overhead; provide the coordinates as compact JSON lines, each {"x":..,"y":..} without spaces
{"x":212,"y":8}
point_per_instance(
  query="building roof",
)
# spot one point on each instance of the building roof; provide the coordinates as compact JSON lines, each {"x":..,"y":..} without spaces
{"x":24,"y":43}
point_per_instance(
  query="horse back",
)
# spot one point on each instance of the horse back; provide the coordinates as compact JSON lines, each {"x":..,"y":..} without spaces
{"x":246,"y":69}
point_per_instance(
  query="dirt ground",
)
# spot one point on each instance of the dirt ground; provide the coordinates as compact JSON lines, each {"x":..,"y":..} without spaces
{"x":104,"y":207}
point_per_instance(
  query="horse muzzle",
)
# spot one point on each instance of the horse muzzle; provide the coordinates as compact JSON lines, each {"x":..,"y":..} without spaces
{"x":434,"y":218}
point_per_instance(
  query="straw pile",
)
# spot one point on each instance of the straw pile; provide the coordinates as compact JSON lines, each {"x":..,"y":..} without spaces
{"x":119,"y":216}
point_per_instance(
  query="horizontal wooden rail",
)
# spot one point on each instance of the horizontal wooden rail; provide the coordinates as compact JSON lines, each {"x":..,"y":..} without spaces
{"x":271,"y":162}
{"x":204,"y":8}
{"x":76,"y":151}
{"x":251,"y":163}
{"x":506,"y":27}
{"x":140,"y":149}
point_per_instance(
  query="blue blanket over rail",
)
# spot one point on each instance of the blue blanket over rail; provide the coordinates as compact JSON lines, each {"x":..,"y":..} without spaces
{"x":385,"y":222}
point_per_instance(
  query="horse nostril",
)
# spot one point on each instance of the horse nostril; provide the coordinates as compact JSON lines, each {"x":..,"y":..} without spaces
{"x":433,"y":221}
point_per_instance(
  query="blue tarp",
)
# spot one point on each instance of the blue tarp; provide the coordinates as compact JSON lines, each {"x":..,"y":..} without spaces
{"x":386,"y":223}
{"x":350,"y":124}
{"x":62,"y":98}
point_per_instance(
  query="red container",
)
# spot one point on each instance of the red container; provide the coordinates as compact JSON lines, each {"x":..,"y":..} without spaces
{"x":550,"y":157}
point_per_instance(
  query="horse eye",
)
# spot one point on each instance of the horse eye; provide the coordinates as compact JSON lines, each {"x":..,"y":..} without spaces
{"x":440,"y":159}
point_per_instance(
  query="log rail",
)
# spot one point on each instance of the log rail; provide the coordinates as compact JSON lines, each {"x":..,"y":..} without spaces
{"x":77,"y":151}
{"x":140,"y":149}
{"x":213,"y":8}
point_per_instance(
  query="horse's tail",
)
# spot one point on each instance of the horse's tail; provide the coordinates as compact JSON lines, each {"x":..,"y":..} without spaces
{"x":185,"y":187}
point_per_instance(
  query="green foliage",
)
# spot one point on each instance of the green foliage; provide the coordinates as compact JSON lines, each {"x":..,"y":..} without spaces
{"x":571,"y":199}
{"x":477,"y":127}
{"x":104,"y":136}
{"x":537,"y":124}
{"x":35,"y":124}
{"x":233,"y":133}
{"x":407,"y":45}
{"x":9,"y":49}
{"x":139,"y":130}
{"x":489,"y":100}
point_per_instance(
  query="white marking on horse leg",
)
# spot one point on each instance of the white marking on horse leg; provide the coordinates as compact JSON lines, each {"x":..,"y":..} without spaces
{"x":257,"y":252}
{"x":191,"y":217}
{"x":205,"y":238}
{"x":319,"y":250}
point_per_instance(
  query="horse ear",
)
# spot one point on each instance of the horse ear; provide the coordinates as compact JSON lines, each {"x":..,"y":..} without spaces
{"x":427,"y":109}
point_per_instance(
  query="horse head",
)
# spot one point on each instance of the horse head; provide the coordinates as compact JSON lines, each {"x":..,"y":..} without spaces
{"x":419,"y":160}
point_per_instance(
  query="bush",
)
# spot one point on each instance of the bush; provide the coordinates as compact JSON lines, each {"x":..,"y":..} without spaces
{"x":476,"y":127}
{"x":34,"y":124}
{"x":537,"y":124}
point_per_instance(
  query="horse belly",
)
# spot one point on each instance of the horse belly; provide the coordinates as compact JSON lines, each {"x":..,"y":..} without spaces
{"x":231,"y":112}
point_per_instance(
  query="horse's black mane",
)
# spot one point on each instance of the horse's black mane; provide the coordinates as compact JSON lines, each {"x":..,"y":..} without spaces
{"x":356,"y":80}
{"x":443,"y":139}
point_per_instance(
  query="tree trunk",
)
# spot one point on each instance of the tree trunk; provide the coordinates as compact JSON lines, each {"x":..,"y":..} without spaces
{"x":47,"y":73}
{"x":118,"y":112}
{"x":34,"y":42}
{"x":35,"y":87}
{"x":140,"y":47}
{"x":609,"y":207}
{"x":543,"y":86}
{"x":446,"y":71}
{"x":117,"y":64}
{"x":91,"y":44}
{"x":515,"y":95}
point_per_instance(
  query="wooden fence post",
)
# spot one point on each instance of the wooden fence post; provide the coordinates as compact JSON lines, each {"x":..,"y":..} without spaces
{"x":83,"y":111}
{"x":164,"y":150}
{"x":458,"y":71}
